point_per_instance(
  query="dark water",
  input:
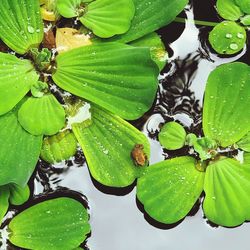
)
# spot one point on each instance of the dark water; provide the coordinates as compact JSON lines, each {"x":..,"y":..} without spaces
{"x":117,"y":219}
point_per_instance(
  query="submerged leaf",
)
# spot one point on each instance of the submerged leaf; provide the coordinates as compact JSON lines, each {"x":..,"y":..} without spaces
{"x":120,"y":78}
{"x":42,"y":116}
{"x":59,"y":147}
{"x":228,"y":9}
{"x":157,"y":48}
{"x":68,"y":38}
{"x":21,"y":24}
{"x":227,"y":38}
{"x":228,"y":88}
{"x":172,"y":136}
{"x":107,"y":143}
{"x":19,"y":152}
{"x":107,"y":18}
{"x":16,"y":78}
{"x":169,"y":189}
{"x":56,"y":224}
{"x":151,"y":16}
{"x":227,"y":200}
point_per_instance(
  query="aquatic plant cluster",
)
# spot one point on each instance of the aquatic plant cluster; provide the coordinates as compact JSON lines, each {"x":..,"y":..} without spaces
{"x":107,"y":73}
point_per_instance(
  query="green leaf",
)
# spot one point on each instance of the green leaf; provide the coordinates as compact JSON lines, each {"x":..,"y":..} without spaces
{"x":227,"y":38}
{"x":157,"y":48}
{"x":21,"y":26}
{"x":120,"y":78}
{"x":42,"y":116}
{"x":227,"y":200}
{"x":18,"y":195}
{"x":172,"y":136}
{"x":19,"y":152}
{"x":59,"y":147}
{"x":56,"y":224}
{"x":71,"y":8}
{"x":228,"y":10}
{"x":244,"y":5}
{"x":107,"y":142}
{"x":226,"y":113}
{"x":107,"y":18}
{"x":151,"y":16}
{"x":244,"y":143}
{"x":169,"y":189}
{"x":245,"y":20}
{"x":4,"y":201}
{"x":16,"y":78}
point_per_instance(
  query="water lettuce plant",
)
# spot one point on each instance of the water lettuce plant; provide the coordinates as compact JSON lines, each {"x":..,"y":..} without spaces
{"x":169,"y":189}
{"x":229,"y":37}
{"x":116,"y":78}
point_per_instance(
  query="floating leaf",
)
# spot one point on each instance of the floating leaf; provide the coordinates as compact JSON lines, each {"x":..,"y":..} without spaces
{"x":169,"y":189}
{"x":4,"y":201}
{"x":244,"y":143}
{"x":120,"y":78}
{"x":107,"y":142}
{"x":56,"y":224}
{"x":18,"y":195}
{"x":19,"y":152}
{"x":227,"y":38}
{"x":71,"y":8}
{"x":21,"y":26}
{"x":68,"y":38}
{"x":245,"y":20}
{"x":227,"y":200}
{"x":228,"y":87}
{"x":107,"y":18}
{"x":59,"y":147}
{"x":151,"y":16}
{"x":172,"y":136}
{"x":157,"y":48}
{"x":244,"y":5}
{"x":16,"y":78}
{"x":228,"y":10}
{"x":42,"y":116}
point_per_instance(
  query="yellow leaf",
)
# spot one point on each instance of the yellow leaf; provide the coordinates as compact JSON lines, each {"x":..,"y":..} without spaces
{"x":47,"y":14}
{"x":68,"y":38}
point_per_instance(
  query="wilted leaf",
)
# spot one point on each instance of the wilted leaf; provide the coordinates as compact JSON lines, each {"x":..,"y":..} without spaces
{"x":68,"y":38}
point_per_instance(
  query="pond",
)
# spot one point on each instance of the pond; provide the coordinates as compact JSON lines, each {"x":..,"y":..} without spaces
{"x":118,"y":220}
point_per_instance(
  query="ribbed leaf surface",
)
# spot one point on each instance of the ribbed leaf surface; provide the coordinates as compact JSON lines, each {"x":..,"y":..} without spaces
{"x":107,"y":144}
{"x":226,"y":113}
{"x":228,"y":9}
{"x":21,"y":25}
{"x":56,"y":224}
{"x":120,"y":78}
{"x":16,"y":78}
{"x":4,"y":201}
{"x":107,"y":18}
{"x":42,"y":116}
{"x":19,"y":152}
{"x":169,"y":189}
{"x":150,"y":16}
{"x":227,"y":200}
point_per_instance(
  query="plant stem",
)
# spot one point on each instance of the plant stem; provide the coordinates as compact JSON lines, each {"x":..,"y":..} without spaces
{"x":197,"y":22}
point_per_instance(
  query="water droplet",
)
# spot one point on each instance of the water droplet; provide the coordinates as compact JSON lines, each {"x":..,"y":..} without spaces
{"x":31,"y":29}
{"x":228,"y":35}
{"x":234,"y":46}
{"x":240,"y":35}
